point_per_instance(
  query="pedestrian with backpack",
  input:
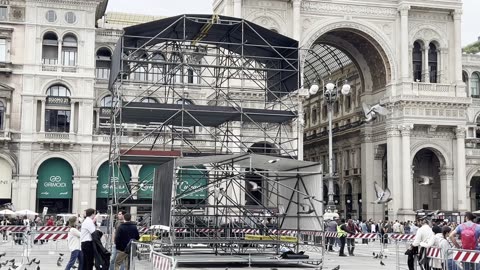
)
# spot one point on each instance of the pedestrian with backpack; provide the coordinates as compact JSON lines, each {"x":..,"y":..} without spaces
{"x":469,"y":234}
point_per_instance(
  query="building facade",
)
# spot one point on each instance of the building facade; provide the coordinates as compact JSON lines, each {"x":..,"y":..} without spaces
{"x":54,"y":100}
{"x":408,"y":58}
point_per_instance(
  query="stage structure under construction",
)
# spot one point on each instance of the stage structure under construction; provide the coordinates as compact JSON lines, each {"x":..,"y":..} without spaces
{"x":217,"y":101}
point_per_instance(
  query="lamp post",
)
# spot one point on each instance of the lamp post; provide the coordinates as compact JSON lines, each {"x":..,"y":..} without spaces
{"x":330,"y":95}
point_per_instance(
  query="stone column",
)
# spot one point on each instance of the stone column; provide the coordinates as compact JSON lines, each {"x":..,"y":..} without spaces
{"x":407,"y":181}
{"x":59,"y":61}
{"x":426,"y":72}
{"x":405,"y":60}
{"x":296,"y":20}
{"x":461,"y":177}
{"x":8,"y":113}
{"x":371,"y":165}
{"x":394,"y":165}
{"x":457,"y":20}
{"x":42,"y":116}
{"x":72,"y":117}
{"x":237,"y":8}
{"x":446,"y":184}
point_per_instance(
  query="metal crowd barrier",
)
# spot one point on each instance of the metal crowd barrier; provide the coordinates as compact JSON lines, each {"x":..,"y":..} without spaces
{"x":406,"y":240}
{"x":467,"y":259}
{"x":144,"y":257}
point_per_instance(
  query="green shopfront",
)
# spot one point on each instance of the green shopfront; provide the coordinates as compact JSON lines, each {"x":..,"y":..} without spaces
{"x":54,"y":186}
{"x":190,"y":179}
{"x":145,"y":188}
{"x":104,"y":191}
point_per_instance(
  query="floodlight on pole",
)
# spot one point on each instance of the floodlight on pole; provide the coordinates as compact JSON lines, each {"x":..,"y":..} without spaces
{"x":314,"y":88}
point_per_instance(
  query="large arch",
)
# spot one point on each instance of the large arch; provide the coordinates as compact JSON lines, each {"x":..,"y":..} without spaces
{"x":441,"y":153}
{"x":367,"y":30}
{"x":64,"y":155}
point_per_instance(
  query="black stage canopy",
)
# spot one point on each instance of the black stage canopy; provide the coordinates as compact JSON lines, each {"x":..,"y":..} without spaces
{"x":277,"y":52}
{"x":198,"y":115}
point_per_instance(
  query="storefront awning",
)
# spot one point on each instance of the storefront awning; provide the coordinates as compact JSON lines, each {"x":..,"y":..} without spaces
{"x":189,"y":180}
{"x":145,"y":178}
{"x":55,"y":177}
{"x":121,"y":177}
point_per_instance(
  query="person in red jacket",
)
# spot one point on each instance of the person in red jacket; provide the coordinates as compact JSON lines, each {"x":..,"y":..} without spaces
{"x":50,"y":222}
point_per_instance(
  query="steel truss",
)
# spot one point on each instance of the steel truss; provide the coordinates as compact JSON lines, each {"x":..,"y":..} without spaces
{"x":193,"y":81}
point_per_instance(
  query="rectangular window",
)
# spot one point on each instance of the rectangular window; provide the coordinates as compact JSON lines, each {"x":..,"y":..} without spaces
{"x":314,"y":116}
{"x":3,"y":50}
{"x":3,"y":13}
{"x":57,"y":120}
{"x":69,"y":57}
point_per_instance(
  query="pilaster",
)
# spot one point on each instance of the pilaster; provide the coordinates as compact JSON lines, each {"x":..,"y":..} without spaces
{"x":405,"y":62}
{"x":461,"y":177}
{"x":457,"y":23}
{"x":446,"y":184}
{"x":407,"y":181}
{"x":394,"y":165}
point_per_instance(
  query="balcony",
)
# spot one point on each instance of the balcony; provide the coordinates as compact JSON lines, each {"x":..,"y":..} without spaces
{"x":4,"y":136}
{"x":55,"y":137}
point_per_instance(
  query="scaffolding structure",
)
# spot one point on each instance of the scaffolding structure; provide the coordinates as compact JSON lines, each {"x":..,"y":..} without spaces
{"x":210,"y":93}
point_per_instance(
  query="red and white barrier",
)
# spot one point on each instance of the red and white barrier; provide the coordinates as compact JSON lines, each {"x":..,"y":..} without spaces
{"x":53,"y":229}
{"x":283,"y":232}
{"x":331,"y":234}
{"x":467,"y":256}
{"x":181,"y":230}
{"x":434,"y":252}
{"x":249,"y":231}
{"x":161,"y":262}
{"x":363,"y":236}
{"x":315,"y":233}
{"x":402,"y":236}
{"x":51,"y":236}
{"x":208,"y":230}
{"x":142,"y":230}
{"x":12,"y":228}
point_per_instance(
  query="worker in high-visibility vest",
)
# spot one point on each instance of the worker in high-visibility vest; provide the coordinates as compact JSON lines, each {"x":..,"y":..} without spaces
{"x":342,"y":232}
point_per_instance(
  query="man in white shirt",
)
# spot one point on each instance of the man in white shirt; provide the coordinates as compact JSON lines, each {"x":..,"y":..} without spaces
{"x":423,"y":234}
{"x":88,"y":227}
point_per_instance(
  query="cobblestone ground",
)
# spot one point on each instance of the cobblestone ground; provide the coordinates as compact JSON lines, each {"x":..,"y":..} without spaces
{"x":49,"y":254}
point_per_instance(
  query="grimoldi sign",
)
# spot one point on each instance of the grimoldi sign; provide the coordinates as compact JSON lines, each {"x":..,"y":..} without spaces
{"x":55,"y":180}
{"x":5,"y":180}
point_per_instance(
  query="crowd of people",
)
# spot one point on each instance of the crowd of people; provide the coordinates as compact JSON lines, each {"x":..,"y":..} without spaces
{"x":443,"y":235}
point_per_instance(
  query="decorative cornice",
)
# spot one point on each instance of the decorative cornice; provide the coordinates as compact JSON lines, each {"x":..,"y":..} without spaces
{"x":460,"y":132}
{"x":331,"y":8}
{"x":404,"y":8}
{"x":392,"y":131}
{"x":406,"y":129}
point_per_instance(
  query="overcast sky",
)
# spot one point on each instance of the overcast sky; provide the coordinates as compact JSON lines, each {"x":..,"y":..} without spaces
{"x":470,"y":26}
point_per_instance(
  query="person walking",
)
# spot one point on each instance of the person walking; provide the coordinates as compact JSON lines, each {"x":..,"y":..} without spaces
{"x":351,"y":226}
{"x":469,"y":233}
{"x":74,"y":244}
{"x":5,"y":222}
{"x":119,"y":221}
{"x":126,"y":232}
{"x":342,"y":231}
{"x":423,"y":234}
{"x":88,"y":227}
{"x":331,"y":227}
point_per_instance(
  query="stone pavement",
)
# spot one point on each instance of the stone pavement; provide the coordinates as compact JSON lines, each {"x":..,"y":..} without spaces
{"x":49,"y":253}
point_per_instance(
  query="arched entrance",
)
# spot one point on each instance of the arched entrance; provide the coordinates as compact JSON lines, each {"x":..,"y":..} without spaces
{"x":55,"y":186}
{"x":104,"y":191}
{"x":426,"y":179}
{"x":475,"y":192}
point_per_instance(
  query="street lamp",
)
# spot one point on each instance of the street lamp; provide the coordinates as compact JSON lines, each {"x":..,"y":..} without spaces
{"x":330,"y":95}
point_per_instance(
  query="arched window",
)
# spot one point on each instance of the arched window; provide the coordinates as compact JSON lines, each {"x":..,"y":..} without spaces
{"x":465,"y":80}
{"x":103,"y":63}
{"x":107,"y":101}
{"x":433,"y":63}
{"x":149,"y":100}
{"x":69,"y":50}
{"x":57,"y":110}
{"x":140,"y":68}
{"x":175,"y":68}
{"x":50,"y":49}
{"x":158,"y":67}
{"x":475,"y":85}
{"x":417,"y":61}
{"x":2,"y":115}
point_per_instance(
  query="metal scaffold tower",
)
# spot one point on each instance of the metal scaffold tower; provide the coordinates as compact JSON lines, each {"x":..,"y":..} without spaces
{"x":218,"y":97}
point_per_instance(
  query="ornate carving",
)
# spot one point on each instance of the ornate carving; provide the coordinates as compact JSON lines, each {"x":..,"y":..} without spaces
{"x":460,"y":132}
{"x":431,"y":129}
{"x":406,"y":129}
{"x":404,"y":8}
{"x":315,"y":6}
{"x":393,"y":131}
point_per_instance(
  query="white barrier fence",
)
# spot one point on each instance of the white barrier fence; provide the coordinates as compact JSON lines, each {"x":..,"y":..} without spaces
{"x":144,"y":257}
